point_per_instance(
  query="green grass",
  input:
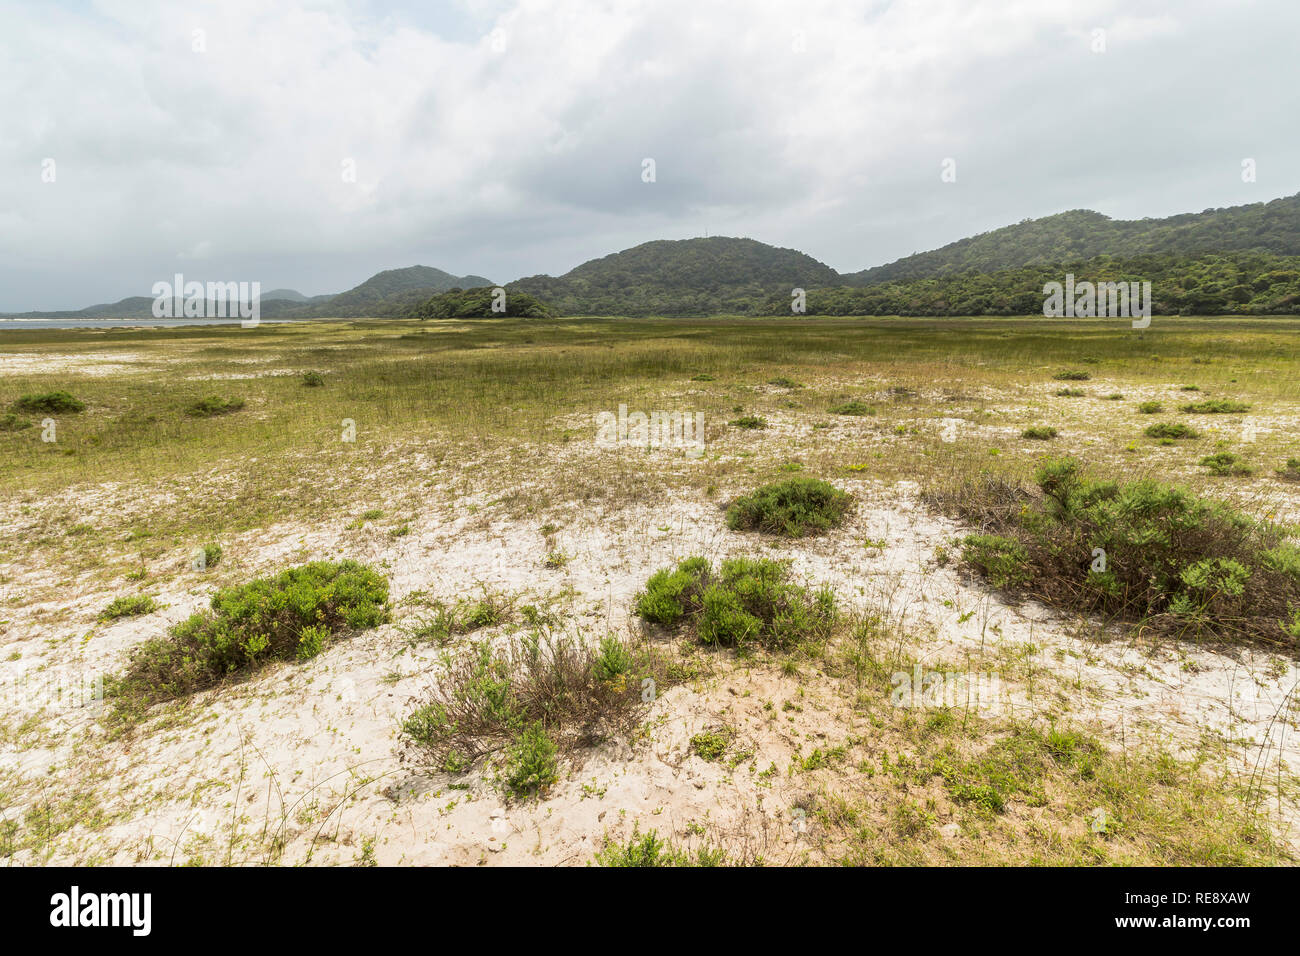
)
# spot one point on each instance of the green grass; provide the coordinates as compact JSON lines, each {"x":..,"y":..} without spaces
{"x":132,"y":606}
{"x":1072,"y":375}
{"x":749,"y":422}
{"x":1216,"y":406}
{"x":1040,"y":432}
{"x":55,"y":402}
{"x":213,"y":406}
{"x":1171,"y":430}
{"x":852,"y":408}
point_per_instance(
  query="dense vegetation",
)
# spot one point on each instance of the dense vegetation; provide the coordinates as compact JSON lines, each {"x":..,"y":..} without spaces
{"x":477,"y":304}
{"x":396,"y":291}
{"x":1080,"y":234}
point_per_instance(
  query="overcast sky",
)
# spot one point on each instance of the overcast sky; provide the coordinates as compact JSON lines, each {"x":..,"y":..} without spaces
{"x":508,"y":138}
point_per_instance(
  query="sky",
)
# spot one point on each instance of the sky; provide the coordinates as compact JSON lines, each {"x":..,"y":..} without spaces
{"x":311,"y":143}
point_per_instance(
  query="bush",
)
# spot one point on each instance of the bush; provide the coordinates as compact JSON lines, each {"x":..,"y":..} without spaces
{"x":1041,"y":432}
{"x":745,"y":601}
{"x":1292,"y":470}
{"x":1071,"y":375}
{"x":793,"y":508}
{"x":1141,"y":550}
{"x":1171,"y":430}
{"x":1216,"y":406}
{"x":531,"y":765}
{"x":703,"y":377}
{"x":128,"y":607}
{"x":9,"y":422}
{"x":213,"y":405}
{"x":57,"y":401}
{"x":290,"y":616}
{"x":1151,"y":408}
{"x":489,"y":701}
{"x":852,"y":408}
{"x":748,"y":421}
{"x":1070,"y":393}
{"x":783,"y":382}
{"x":211,"y":555}
{"x":313,"y":379}
{"x":1225,"y":463}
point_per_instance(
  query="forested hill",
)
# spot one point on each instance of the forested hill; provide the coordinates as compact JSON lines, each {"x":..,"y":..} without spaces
{"x":680,"y":277}
{"x":1272,"y":227}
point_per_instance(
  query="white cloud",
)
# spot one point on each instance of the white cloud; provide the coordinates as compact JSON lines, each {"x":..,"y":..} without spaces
{"x":527,"y":160}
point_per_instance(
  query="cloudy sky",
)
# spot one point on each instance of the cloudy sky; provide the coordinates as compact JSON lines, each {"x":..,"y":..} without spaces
{"x":311,"y":143}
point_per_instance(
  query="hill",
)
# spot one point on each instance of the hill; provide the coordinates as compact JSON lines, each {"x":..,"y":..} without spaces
{"x":680,"y":277}
{"x":396,"y":291}
{"x":1271,"y":227}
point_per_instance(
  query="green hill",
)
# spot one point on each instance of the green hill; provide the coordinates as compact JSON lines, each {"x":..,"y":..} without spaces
{"x":477,"y":304}
{"x":1079,"y":235}
{"x":680,"y":277}
{"x":396,"y":291}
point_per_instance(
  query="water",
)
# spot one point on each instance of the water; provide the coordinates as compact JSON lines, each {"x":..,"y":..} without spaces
{"x":18,"y":324}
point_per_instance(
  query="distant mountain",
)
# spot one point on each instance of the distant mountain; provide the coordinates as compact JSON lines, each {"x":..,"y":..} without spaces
{"x":289,"y":295}
{"x":396,"y":291}
{"x":680,"y":277}
{"x":1271,"y":227}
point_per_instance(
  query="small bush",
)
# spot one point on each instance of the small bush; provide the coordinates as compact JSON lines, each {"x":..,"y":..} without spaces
{"x":128,"y":607}
{"x":532,"y":763}
{"x":748,"y":421}
{"x":1114,"y":397}
{"x":1040,"y":432}
{"x":213,"y":406}
{"x":1072,"y":375}
{"x":313,"y":379}
{"x":794,"y":508}
{"x":703,"y":377}
{"x":286,"y":617}
{"x":57,"y":402}
{"x":1003,"y":561}
{"x":1070,"y":393}
{"x":211,"y":555}
{"x":745,"y":601}
{"x":1171,"y":430}
{"x":783,"y":382}
{"x":1216,"y":406}
{"x":9,"y":422}
{"x":1225,"y":463}
{"x":1151,"y":408}
{"x":1291,"y":472}
{"x":852,"y":408}
{"x":711,"y":745}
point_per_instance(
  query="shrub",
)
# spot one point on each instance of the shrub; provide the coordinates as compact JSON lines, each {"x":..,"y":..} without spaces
{"x":9,"y":422}
{"x":794,"y":508}
{"x":487,"y":701}
{"x":710,"y":745}
{"x":1041,"y":432}
{"x":213,"y":406}
{"x":1151,"y":408}
{"x":57,"y":401}
{"x":703,"y":377}
{"x":1171,"y":430}
{"x":290,"y":616}
{"x":1171,"y":559}
{"x":746,"y":600}
{"x":852,"y":408}
{"x":211,"y":555}
{"x":1216,"y":406}
{"x":128,"y":607}
{"x":748,"y":421}
{"x":532,"y":764}
{"x":313,"y":379}
{"x":649,"y":850}
{"x":1070,"y":393}
{"x":1292,"y":470}
{"x":1072,"y":375}
{"x":783,"y":382}
{"x":1225,"y":463}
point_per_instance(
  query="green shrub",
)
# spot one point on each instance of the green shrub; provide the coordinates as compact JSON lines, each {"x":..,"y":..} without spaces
{"x":1070,"y":393}
{"x":289,"y":616}
{"x":211,"y":555}
{"x":852,"y":408}
{"x":747,"y":600}
{"x":56,"y":402}
{"x":532,"y":764}
{"x":748,"y":421}
{"x":703,"y":377}
{"x":1072,"y":375}
{"x":213,"y":406}
{"x":132,"y":606}
{"x":1216,"y":406}
{"x":793,"y":508}
{"x":1291,"y":472}
{"x":1171,"y":559}
{"x":783,"y":382}
{"x":650,"y":851}
{"x":711,"y":745}
{"x":1171,"y":430}
{"x":1225,"y":463}
{"x":1041,"y":432}
{"x":313,"y":379}
{"x":1151,"y":408}
{"x":9,"y":422}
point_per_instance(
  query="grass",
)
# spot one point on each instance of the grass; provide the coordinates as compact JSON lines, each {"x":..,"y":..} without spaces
{"x":744,"y":601}
{"x":852,"y":408}
{"x":748,"y":422}
{"x":1072,"y":375}
{"x":1225,"y":463}
{"x":313,"y":379}
{"x":290,"y":616}
{"x":649,"y":850}
{"x":1040,"y":432}
{"x":1216,"y":406}
{"x":1174,"y":561}
{"x":1151,"y":408}
{"x":214,"y":405}
{"x":1170,"y":430}
{"x":793,"y":508}
{"x":9,"y":422}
